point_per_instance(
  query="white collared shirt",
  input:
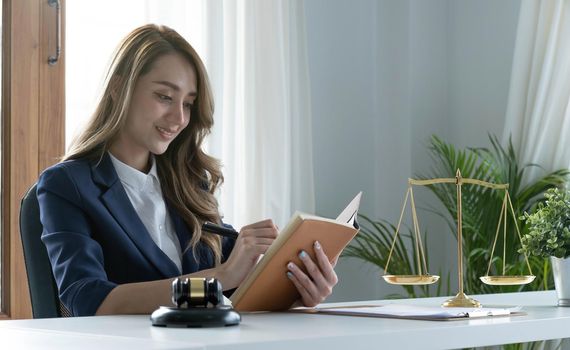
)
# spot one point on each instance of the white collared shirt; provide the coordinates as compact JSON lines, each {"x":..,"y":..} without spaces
{"x":146,"y":197}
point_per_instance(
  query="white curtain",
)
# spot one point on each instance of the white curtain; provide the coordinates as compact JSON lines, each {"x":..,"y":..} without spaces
{"x":538,"y":111}
{"x":258,"y":65}
{"x":255,"y":52}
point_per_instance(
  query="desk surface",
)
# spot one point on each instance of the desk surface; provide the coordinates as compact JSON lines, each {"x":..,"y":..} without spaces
{"x":544,"y":320}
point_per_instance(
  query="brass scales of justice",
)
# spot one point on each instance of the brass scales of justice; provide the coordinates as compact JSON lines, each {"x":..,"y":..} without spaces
{"x":424,"y":278}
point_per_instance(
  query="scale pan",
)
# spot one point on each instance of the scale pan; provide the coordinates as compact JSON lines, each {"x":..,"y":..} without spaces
{"x":507,"y":280}
{"x":410,"y":279}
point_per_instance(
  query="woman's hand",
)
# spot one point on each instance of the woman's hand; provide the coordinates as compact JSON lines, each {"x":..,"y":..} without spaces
{"x":253,"y":241}
{"x":317,"y":284}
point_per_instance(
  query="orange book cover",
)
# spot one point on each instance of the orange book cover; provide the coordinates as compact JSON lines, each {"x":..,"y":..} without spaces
{"x":267,"y":287}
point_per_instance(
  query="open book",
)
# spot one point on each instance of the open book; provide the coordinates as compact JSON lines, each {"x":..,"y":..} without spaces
{"x":267,"y":287}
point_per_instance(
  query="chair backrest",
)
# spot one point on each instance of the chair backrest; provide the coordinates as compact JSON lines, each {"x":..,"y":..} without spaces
{"x":43,"y":289}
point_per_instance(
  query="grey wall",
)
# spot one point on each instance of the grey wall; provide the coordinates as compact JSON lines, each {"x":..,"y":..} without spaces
{"x":481,"y":46}
{"x":385,"y":75}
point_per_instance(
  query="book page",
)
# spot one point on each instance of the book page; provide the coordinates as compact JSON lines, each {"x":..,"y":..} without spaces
{"x":348,"y":215}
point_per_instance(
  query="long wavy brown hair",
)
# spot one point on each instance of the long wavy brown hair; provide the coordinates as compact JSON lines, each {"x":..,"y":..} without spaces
{"x":188,"y":176}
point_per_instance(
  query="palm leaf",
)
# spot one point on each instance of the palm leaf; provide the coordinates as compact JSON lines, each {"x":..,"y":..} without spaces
{"x":373,"y":243}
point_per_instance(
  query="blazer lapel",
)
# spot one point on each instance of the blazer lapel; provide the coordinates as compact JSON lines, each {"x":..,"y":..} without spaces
{"x":116,"y":200}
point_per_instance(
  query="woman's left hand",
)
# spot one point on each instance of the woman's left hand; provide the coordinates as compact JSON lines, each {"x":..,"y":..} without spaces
{"x":317,"y":284}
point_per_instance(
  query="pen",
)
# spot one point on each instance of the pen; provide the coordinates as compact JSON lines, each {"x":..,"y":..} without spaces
{"x":219,"y":230}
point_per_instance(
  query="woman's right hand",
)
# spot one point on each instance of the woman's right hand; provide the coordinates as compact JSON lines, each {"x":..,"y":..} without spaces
{"x":253,"y":241}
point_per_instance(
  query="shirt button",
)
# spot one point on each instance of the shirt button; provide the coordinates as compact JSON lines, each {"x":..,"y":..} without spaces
{"x":161,"y":227}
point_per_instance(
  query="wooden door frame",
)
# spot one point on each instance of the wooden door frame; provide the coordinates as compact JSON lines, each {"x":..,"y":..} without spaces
{"x":33,"y":129}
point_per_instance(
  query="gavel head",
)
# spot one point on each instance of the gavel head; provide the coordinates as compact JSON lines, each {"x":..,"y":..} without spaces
{"x":196,"y":292}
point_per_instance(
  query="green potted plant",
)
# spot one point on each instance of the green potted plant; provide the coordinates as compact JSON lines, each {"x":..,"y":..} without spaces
{"x":548,"y":235}
{"x":481,"y":211}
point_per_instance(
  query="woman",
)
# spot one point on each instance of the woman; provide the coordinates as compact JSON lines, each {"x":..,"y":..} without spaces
{"x":122,"y":213}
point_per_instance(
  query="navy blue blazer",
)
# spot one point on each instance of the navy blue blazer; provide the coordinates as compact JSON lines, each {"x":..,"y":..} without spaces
{"x":95,"y":239}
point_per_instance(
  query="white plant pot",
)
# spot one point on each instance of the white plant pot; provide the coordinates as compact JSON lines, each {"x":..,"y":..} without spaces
{"x":561,"y":272}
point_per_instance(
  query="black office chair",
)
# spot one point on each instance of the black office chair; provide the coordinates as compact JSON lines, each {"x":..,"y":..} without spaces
{"x":43,"y":289}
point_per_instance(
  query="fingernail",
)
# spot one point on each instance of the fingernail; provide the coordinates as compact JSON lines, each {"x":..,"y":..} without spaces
{"x":302,"y":254}
{"x":317,"y":245}
{"x":289,"y":274}
{"x":290,"y":265}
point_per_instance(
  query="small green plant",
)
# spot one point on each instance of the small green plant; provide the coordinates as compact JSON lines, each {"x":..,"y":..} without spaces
{"x":549,"y":226}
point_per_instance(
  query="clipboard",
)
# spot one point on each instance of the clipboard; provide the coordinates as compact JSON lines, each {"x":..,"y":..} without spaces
{"x":414,"y":312}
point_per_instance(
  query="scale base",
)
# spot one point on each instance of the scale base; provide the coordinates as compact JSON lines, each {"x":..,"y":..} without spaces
{"x":461,"y":300}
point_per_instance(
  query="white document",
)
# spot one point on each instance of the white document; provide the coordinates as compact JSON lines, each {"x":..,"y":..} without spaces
{"x":419,"y":312}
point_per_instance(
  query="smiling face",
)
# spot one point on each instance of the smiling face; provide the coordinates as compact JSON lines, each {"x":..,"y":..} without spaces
{"x":160,"y":109}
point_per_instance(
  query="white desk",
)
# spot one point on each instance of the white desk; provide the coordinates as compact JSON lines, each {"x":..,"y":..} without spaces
{"x":544,"y":320}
